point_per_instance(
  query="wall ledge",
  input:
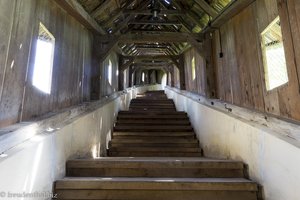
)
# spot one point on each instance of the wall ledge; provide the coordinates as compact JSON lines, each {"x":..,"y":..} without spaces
{"x":285,"y":129}
{"x":16,"y":134}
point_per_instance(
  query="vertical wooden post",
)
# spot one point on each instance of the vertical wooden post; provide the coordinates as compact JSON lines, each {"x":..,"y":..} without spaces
{"x":95,"y":71}
{"x":171,"y":70}
{"x":149,"y":76}
{"x":210,"y":89}
{"x":181,"y":72}
{"x":121,"y":73}
{"x":130,"y":74}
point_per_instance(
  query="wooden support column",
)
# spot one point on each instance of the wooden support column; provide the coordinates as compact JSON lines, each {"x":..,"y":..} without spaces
{"x":121,"y":73}
{"x":181,"y":72}
{"x":131,"y":74}
{"x":171,"y":72}
{"x":210,"y":89}
{"x":138,"y":77}
{"x":179,"y":63}
{"x":95,"y":71}
{"x":148,"y":77}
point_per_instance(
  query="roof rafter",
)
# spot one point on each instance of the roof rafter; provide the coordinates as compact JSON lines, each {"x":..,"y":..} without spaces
{"x":101,"y":8}
{"x":118,"y":14}
{"x":157,"y":22}
{"x":77,"y":11}
{"x":207,"y":8}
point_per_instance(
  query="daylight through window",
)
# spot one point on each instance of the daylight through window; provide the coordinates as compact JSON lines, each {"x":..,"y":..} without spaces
{"x":43,"y":63}
{"x":143,"y":77}
{"x":109,"y":72}
{"x":193,"y":68}
{"x":274,"y":56}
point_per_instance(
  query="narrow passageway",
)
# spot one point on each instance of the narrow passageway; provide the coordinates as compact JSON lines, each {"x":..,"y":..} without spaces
{"x":150,"y":99}
{"x":154,"y":154}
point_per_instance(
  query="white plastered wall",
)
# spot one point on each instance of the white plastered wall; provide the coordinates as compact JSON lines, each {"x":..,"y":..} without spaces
{"x":33,"y":164}
{"x":272,"y":157}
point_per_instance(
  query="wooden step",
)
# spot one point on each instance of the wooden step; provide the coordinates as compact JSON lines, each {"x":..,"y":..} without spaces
{"x":172,"y":140}
{"x":151,"y":113}
{"x":155,"y":167}
{"x":138,"y":122}
{"x":156,"y":188}
{"x":153,"y":154}
{"x":151,"y":96}
{"x":131,"y":107}
{"x":155,"y":144}
{"x":156,"y":149}
{"x":150,"y":138}
{"x":151,"y":107}
{"x":152,"y":104}
{"x":156,"y":128}
{"x":152,"y":100}
{"x":157,"y":117}
{"x":155,"y":91}
{"x":153,"y":134}
{"x":142,"y":103}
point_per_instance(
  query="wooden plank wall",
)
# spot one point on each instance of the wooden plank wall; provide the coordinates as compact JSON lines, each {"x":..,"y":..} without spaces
{"x":199,"y":84}
{"x":72,"y":61}
{"x":240,"y":73}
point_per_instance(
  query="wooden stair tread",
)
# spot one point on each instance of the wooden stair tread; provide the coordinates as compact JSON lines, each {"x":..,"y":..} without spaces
{"x":156,"y":149}
{"x":159,"y":140}
{"x":152,"y":122}
{"x":128,"y":162}
{"x":152,"y":113}
{"x":157,"y":183}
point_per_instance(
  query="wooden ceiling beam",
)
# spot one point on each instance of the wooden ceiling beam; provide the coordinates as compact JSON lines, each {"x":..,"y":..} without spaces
{"x":153,"y":46}
{"x":127,"y":48}
{"x":207,"y":8}
{"x":127,"y":64}
{"x":151,"y":64}
{"x":158,"y":37}
{"x":156,"y":22}
{"x":173,"y":46}
{"x":130,"y":17}
{"x":132,"y":50}
{"x":99,"y":10}
{"x":194,"y":19}
{"x":230,"y":11}
{"x":189,"y":14}
{"x":77,"y":11}
{"x":118,"y":14}
{"x":148,"y":12}
{"x":185,"y":25}
{"x":161,"y":57}
{"x":122,"y":24}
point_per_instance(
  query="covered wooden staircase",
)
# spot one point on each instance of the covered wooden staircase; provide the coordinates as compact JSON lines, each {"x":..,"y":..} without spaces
{"x":154,"y":154}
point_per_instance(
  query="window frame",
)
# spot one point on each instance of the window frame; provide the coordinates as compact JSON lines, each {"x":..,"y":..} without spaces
{"x":264,"y":61}
{"x":53,"y":39}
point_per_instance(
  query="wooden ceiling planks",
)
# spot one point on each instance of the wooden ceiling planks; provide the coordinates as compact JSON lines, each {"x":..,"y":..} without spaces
{"x":178,"y":16}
